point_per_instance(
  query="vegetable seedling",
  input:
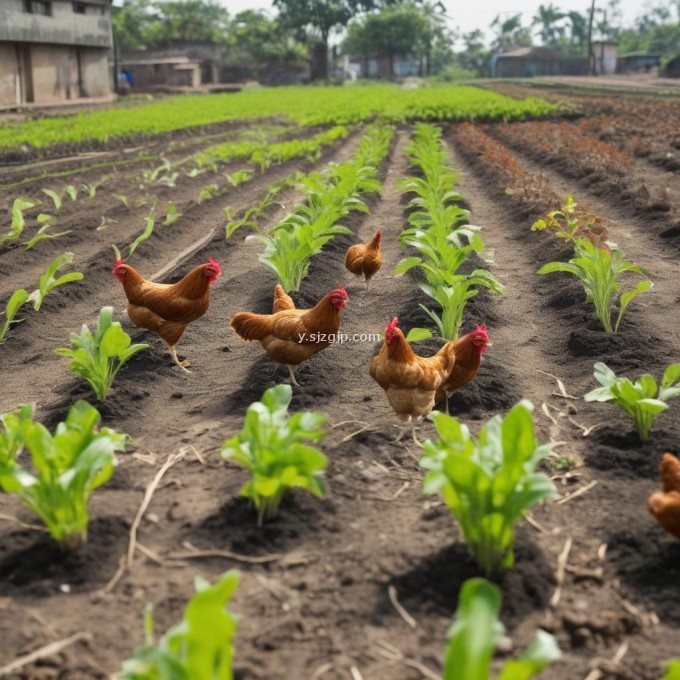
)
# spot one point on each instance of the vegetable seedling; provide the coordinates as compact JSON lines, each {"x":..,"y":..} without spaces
{"x":642,"y":400}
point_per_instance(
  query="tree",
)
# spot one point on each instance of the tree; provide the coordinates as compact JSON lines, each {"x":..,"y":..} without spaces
{"x":262,"y":43}
{"x":131,"y":24}
{"x":475,"y":56}
{"x":315,"y":19}
{"x":405,"y":29}
{"x":546,"y":18}
{"x":190,"y":20}
{"x":510,"y":32}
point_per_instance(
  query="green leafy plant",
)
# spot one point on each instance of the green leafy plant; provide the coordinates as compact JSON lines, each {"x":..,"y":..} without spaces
{"x":18,"y":298}
{"x":200,"y":647}
{"x":42,"y":235}
{"x":123,"y":199}
{"x":568,"y":223}
{"x":488,"y":483}
{"x":98,"y":355}
{"x":70,"y":465}
{"x":643,"y":400}
{"x":239,"y":177}
{"x":149,"y":221}
{"x":56,"y":198}
{"x":12,"y":435}
{"x":673,"y":670}
{"x":71,"y":192}
{"x":599,"y":270}
{"x":19,"y":206}
{"x":171,"y":214}
{"x":475,"y":633}
{"x":48,"y":282}
{"x":272,"y":447}
{"x":207,"y":192}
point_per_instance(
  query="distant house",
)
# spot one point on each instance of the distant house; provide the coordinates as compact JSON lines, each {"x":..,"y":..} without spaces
{"x":54,"y":51}
{"x":672,"y":69}
{"x":524,"y":62}
{"x":157,"y":73}
{"x":604,"y":55}
{"x":637,"y":62}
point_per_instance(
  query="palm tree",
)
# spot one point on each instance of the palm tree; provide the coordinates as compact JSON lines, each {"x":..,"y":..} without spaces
{"x":546,"y":17}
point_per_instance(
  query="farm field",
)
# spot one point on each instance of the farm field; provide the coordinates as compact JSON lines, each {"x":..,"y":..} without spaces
{"x":320,"y":581}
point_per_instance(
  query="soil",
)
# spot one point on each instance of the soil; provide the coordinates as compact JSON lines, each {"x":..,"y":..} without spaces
{"x":315,"y":598}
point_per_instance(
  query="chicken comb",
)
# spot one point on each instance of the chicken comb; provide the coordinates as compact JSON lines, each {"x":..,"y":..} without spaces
{"x":340,"y":290}
{"x":215,"y":264}
{"x":392,"y":325}
{"x":480,"y":329}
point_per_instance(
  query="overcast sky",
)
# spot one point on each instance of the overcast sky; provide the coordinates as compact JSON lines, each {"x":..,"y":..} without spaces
{"x":480,"y":13}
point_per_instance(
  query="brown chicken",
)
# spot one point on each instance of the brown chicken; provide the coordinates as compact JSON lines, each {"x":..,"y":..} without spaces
{"x":365,"y":258}
{"x":665,"y":505}
{"x":410,"y":382}
{"x":167,"y":308}
{"x":291,"y":336}
{"x":468,"y":350}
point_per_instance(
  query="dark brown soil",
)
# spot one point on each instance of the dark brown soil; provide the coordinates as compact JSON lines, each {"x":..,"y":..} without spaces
{"x":322,"y":602}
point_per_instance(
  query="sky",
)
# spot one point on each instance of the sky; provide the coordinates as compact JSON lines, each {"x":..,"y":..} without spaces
{"x":480,"y":13}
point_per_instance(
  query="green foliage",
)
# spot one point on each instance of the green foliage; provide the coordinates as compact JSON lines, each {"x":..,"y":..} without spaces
{"x":475,"y":633}
{"x":600,"y":270}
{"x":331,"y":196}
{"x":149,"y":221}
{"x":19,"y":206}
{"x":171,"y":214}
{"x":567,"y":223}
{"x":48,"y":282}
{"x":12,"y":435}
{"x":207,"y":192}
{"x":272,"y":447}
{"x":56,"y":198}
{"x":438,"y":235}
{"x":17,"y":300}
{"x":70,"y":465}
{"x":488,"y":483}
{"x":71,"y":192}
{"x":673,"y":670}
{"x":200,"y":647}
{"x":642,"y":400}
{"x":43,"y":235}
{"x":308,"y":106}
{"x":98,"y":355}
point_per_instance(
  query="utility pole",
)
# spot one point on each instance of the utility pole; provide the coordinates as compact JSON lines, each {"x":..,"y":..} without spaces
{"x":591,"y":59}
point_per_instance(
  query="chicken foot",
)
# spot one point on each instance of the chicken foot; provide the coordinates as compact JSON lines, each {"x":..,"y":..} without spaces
{"x":181,"y":364}
{"x":402,"y":431}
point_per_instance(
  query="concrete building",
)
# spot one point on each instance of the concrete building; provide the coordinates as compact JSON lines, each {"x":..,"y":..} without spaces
{"x":54,"y":51}
{"x":604,"y":55}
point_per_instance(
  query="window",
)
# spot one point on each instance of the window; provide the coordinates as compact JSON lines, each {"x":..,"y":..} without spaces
{"x":43,"y":7}
{"x":79,"y":8}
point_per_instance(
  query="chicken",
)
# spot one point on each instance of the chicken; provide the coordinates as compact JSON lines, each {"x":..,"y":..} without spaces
{"x":291,"y":336}
{"x":665,"y":505}
{"x":468,"y":350}
{"x":365,"y":258}
{"x":166,"y":308}
{"x":410,"y":382}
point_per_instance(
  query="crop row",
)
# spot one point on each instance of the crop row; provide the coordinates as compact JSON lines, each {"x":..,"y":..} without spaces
{"x":308,"y":106}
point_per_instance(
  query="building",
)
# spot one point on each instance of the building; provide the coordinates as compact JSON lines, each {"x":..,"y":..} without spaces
{"x":54,"y":51}
{"x":672,"y":69}
{"x":638,"y":62}
{"x":163,"y":72}
{"x":604,"y":55}
{"x":523,"y":62}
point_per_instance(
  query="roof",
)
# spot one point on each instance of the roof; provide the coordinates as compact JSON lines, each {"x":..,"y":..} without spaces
{"x":631,"y":55}
{"x":530,"y":53}
{"x":166,"y":60}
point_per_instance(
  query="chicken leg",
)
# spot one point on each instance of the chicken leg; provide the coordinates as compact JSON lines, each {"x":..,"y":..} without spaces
{"x":291,"y":370}
{"x":413,"y":432}
{"x":181,"y":364}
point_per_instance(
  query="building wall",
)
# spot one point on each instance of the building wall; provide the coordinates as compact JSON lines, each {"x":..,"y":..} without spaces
{"x":94,"y":72}
{"x":9,"y":75}
{"x":64,"y":27}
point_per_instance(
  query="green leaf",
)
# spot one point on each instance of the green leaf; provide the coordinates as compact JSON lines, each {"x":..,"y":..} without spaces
{"x":653,"y":406}
{"x":418,"y":334}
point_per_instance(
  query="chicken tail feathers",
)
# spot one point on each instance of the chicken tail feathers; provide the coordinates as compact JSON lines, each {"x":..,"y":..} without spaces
{"x":282,"y":300}
{"x":251,"y":326}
